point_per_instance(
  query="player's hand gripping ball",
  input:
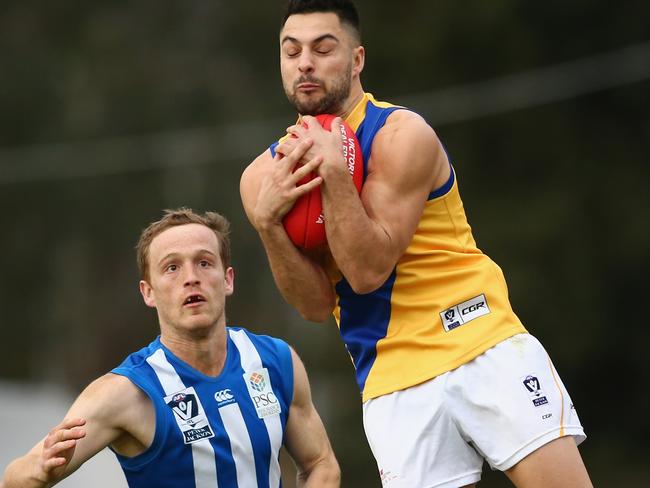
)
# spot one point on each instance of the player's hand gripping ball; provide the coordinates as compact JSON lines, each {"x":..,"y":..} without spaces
{"x":305,"y":223}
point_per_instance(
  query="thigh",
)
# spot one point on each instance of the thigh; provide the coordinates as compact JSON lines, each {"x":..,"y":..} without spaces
{"x":510,"y":401}
{"x":557,"y":464}
{"x":415,"y":441}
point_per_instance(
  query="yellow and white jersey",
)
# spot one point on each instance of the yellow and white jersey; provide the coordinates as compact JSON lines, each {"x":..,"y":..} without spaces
{"x":444,"y":303}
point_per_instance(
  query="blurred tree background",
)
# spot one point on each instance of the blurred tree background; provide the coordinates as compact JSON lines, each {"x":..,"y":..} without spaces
{"x":112,"y":111}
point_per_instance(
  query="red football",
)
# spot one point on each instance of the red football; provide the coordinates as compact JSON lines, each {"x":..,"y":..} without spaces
{"x":305,"y":223}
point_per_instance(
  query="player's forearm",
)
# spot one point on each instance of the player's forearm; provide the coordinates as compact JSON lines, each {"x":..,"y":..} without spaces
{"x":302,"y":282}
{"x":22,"y":473}
{"x":362,"y":249}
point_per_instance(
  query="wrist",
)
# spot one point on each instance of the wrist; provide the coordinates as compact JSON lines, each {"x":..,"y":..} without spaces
{"x":267,"y":227}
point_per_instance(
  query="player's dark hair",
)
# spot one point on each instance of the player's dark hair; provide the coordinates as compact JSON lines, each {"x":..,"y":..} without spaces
{"x":172,"y":218}
{"x":344,"y":9}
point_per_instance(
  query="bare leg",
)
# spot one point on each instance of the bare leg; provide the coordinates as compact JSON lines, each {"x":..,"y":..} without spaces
{"x":557,"y":464}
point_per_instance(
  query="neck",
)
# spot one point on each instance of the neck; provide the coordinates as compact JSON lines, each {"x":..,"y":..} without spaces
{"x":356,"y":94}
{"x":204,"y":351}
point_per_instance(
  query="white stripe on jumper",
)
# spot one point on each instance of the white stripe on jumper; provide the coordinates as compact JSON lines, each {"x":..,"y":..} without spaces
{"x":240,"y":445}
{"x":203,"y":455}
{"x":251,"y":361}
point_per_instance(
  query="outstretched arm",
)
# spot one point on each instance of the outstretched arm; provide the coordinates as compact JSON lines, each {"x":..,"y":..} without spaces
{"x":93,"y":422}
{"x":268,"y":191}
{"x":306,"y":439}
{"x":50,"y":460}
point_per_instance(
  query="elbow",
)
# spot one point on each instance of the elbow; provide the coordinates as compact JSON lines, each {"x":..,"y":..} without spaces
{"x":317,"y":318}
{"x":317,"y":308}
{"x":316,"y":314}
{"x":326,"y":473}
{"x":367,"y":281}
{"x":334,"y":474}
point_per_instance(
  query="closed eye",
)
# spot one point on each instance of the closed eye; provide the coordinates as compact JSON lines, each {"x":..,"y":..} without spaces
{"x":325,"y":45}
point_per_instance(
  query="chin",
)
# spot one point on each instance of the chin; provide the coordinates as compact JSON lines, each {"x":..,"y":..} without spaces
{"x":199,"y":324}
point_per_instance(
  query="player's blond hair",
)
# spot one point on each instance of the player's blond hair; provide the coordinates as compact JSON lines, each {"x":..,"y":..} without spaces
{"x":182,"y":216}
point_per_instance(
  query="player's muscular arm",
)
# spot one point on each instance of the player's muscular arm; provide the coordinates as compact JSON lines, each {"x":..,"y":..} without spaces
{"x":368,"y":234}
{"x":306,"y":439}
{"x":268,"y":190}
{"x":96,"y":419}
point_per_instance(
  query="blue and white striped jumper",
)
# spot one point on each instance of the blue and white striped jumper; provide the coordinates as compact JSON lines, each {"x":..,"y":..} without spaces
{"x":223,"y":431}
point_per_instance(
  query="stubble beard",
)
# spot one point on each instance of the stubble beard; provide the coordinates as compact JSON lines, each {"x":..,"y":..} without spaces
{"x":330,"y":103}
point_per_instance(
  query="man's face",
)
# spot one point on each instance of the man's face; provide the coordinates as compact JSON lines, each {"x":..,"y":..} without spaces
{"x":316,"y":62}
{"x":187,"y":283}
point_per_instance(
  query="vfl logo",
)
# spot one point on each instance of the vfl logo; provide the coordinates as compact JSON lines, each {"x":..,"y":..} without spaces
{"x":534,"y":388}
{"x":532,"y":385}
{"x":223,"y":396}
{"x":185,"y":407}
{"x":257,"y":382}
{"x":189,"y":415}
{"x":464,"y":312}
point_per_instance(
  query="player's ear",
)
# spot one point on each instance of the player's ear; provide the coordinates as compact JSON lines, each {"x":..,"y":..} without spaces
{"x":229,"y":278}
{"x":359,"y":60}
{"x":147,"y":294}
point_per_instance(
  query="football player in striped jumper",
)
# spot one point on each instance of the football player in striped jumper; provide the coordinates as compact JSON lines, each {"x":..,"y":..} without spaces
{"x":439,"y":354}
{"x":204,"y":405}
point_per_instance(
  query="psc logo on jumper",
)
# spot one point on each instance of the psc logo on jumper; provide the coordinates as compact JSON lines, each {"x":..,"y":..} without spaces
{"x":259,"y":386}
{"x":534,"y":389}
{"x":189,"y":415}
{"x":464,"y":312}
{"x":257,"y":382}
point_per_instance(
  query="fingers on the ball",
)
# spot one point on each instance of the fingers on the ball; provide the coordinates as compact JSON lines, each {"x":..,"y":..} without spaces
{"x":305,"y":169}
{"x":310,"y":185}
{"x":310,"y":121}
{"x":297,"y":153}
{"x":283,"y":150}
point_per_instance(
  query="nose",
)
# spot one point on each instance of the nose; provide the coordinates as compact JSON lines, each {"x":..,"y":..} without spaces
{"x":306,"y":62}
{"x":190,"y":278}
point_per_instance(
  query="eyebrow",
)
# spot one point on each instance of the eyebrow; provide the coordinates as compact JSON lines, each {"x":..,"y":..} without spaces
{"x":315,"y":41}
{"x":172,"y":255}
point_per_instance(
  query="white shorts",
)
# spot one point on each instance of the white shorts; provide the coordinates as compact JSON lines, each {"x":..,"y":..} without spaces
{"x":499,"y":407}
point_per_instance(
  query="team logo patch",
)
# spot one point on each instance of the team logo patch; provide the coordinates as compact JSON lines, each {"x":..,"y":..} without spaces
{"x":261,"y":392}
{"x":464,"y":312}
{"x":534,"y":388}
{"x":189,"y":415}
{"x":224,"y":397}
{"x":257,"y":382}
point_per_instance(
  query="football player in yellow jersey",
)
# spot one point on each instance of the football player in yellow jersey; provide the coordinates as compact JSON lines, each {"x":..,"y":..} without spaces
{"x":439,"y":355}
